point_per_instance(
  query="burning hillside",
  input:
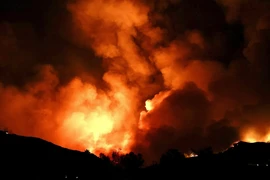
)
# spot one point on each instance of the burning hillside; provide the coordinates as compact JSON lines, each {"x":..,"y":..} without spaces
{"x":136,"y":75}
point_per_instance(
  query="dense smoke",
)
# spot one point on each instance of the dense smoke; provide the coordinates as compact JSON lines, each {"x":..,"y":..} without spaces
{"x":136,"y":75}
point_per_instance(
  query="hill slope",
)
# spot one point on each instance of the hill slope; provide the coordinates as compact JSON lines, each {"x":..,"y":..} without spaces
{"x":28,"y":155}
{"x":34,"y":158}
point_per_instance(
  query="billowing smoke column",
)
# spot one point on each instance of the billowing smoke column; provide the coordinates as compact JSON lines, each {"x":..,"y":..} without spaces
{"x":135,"y":75}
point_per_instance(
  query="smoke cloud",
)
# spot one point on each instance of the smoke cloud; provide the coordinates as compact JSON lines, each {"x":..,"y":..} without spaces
{"x":136,"y":75}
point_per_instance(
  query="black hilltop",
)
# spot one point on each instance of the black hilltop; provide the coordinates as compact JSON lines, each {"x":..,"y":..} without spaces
{"x":33,"y":158}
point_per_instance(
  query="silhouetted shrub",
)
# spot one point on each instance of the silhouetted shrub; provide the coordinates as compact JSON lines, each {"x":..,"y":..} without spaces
{"x":116,"y":158}
{"x":127,"y":161}
{"x":131,"y":161}
{"x":172,"y":158}
{"x":206,"y":152}
{"x":105,"y":159}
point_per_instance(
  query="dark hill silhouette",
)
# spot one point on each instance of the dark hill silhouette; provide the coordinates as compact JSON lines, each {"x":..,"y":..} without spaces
{"x":34,"y":158}
{"x":251,"y":154}
{"x":38,"y":158}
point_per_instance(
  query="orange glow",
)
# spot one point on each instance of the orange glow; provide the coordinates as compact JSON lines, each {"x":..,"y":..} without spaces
{"x":158,"y":98}
{"x":91,"y":117}
{"x":252,"y":136}
{"x":128,"y":81}
{"x":148,"y":105}
{"x":190,"y":155}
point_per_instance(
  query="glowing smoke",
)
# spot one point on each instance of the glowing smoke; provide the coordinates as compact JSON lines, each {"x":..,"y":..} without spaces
{"x":139,"y":75}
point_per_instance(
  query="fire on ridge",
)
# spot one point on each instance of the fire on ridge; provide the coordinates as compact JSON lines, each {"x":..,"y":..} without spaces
{"x":140,"y":76}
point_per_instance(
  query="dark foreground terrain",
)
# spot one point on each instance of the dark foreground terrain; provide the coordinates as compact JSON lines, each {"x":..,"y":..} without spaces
{"x":33,"y":158}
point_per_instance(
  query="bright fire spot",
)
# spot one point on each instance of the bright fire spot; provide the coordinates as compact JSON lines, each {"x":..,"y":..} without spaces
{"x":158,"y":98}
{"x":151,"y":104}
{"x":94,"y":119}
{"x":252,"y":136}
{"x":148,"y":105}
{"x":190,"y":155}
{"x":94,"y":123}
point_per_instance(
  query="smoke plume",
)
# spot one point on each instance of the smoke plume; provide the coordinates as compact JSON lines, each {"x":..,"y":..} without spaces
{"x":136,"y":75}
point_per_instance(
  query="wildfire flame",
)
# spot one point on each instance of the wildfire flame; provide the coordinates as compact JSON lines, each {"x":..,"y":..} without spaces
{"x":253,"y":136}
{"x":159,"y":81}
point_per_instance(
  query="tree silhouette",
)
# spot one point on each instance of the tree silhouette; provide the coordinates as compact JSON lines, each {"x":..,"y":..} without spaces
{"x":116,"y":158}
{"x":106,"y":160}
{"x":127,"y":161}
{"x":131,"y":161}
{"x":206,"y":152}
{"x":5,"y":131}
{"x":172,"y":158}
